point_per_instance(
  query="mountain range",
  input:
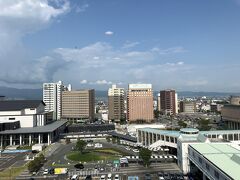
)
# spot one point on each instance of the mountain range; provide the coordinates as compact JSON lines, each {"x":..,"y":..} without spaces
{"x":14,"y":93}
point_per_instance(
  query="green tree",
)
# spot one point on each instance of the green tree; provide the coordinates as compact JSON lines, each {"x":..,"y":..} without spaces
{"x":80,"y":145}
{"x":145,"y":154}
{"x":123,"y":121}
{"x":203,"y":125}
{"x":156,"y":113}
{"x":108,"y":139}
{"x":182,"y":124}
{"x":114,"y":140}
{"x":36,"y":164}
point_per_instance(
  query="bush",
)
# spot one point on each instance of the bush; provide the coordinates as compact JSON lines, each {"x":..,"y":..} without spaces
{"x":36,"y":164}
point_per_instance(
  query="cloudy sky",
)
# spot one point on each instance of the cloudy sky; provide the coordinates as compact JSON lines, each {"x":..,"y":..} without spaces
{"x":186,"y":45}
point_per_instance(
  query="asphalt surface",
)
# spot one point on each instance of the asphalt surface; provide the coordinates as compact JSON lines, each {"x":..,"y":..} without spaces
{"x":9,"y":160}
{"x":58,"y":156}
{"x":97,"y":169}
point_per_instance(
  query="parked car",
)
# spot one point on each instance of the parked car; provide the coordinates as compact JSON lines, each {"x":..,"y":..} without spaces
{"x":147,"y":176}
{"x":135,"y":150}
{"x":75,"y":177}
{"x":45,"y":172}
{"x":109,"y":176}
{"x":103,"y":177}
{"x":88,"y":177}
{"x":116,"y":177}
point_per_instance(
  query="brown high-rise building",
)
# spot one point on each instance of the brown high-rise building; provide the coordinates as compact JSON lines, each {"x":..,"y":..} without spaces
{"x":116,"y":103}
{"x":168,"y":100}
{"x":140,"y":102}
{"x":78,"y":105}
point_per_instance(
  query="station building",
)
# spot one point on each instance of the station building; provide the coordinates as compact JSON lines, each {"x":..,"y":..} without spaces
{"x":181,"y":142}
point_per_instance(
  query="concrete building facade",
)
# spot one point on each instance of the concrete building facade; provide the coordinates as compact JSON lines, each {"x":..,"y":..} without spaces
{"x":52,"y":97}
{"x":180,"y":141}
{"x":169,"y":101}
{"x":235,"y":100}
{"x":140,"y":103}
{"x":116,"y":103}
{"x":24,"y":122}
{"x":158,"y":102}
{"x":78,"y":105}
{"x":187,"y":107}
{"x":231,"y":116}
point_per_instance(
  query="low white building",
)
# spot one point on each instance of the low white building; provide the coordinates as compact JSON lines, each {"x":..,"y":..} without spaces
{"x":29,"y":113}
{"x":24,"y":122}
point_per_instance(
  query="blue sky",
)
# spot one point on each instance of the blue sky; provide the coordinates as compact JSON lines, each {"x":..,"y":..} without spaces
{"x":186,"y":45}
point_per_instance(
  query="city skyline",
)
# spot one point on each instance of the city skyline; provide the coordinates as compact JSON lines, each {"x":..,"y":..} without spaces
{"x":91,"y":44}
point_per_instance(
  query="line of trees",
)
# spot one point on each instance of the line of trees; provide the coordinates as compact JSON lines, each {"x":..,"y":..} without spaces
{"x":36,"y":164}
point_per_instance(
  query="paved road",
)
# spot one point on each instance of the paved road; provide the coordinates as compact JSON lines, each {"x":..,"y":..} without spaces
{"x":59,"y":154}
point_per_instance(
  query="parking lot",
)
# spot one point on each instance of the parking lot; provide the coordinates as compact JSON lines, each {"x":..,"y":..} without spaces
{"x":9,"y":160}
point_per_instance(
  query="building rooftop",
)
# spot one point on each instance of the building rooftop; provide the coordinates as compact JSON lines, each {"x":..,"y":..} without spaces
{"x":188,"y":137}
{"x":13,"y":105}
{"x":222,"y":155}
{"x":189,"y":130}
{"x":38,"y":129}
{"x":162,"y":132}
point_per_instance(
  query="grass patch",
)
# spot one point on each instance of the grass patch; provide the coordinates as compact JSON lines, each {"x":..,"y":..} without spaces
{"x":25,"y":148}
{"x":12,"y":172}
{"x":89,"y":156}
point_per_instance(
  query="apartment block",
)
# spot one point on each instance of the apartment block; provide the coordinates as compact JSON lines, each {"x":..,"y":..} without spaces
{"x":116,"y":103}
{"x":52,"y":98}
{"x":169,"y":102}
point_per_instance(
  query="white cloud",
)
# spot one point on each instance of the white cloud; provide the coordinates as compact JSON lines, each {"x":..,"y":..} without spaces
{"x":115,"y":65}
{"x":84,"y":81}
{"x":96,"y":57}
{"x":180,"y":63}
{"x":103,"y":82}
{"x":17,"y":19}
{"x":130,"y":45}
{"x":109,"y":33}
{"x":172,"y":50}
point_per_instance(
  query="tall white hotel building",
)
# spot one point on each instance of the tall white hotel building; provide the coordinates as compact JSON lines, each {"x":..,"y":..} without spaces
{"x":52,"y":97}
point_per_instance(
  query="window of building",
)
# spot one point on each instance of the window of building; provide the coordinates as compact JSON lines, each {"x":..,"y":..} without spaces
{"x":207,"y":166}
{"x":11,"y":118}
{"x":199,"y":160}
{"x":216,"y":174}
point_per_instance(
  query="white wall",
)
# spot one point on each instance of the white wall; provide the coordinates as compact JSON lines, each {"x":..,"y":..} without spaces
{"x":182,"y":155}
{"x":25,"y":121}
{"x":7,"y":113}
{"x":29,"y":111}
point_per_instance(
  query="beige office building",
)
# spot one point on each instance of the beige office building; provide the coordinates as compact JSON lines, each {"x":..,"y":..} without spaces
{"x":188,"y":107}
{"x":78,"y":105}
{"x":116,"y":103}
{"x":231,"y":116}
{"x":140,"y":103}
{"x":235,"y":100}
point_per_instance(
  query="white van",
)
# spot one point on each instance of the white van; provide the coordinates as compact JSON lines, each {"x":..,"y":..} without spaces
{"x":74,"y":177}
